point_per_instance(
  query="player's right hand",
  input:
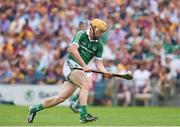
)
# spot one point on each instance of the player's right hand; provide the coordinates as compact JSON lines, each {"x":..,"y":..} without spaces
{"x":86,"y":69}
{"x":108,"y":75}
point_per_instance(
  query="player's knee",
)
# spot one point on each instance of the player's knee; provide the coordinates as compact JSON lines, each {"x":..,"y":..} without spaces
{"x":87,"y":84}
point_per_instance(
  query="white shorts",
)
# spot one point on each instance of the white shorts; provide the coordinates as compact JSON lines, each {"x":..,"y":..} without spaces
{"x":67,"y":68}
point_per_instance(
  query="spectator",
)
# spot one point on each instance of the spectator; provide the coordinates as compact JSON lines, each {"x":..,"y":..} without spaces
{"x":32,"y":77}
{"x":142,"y":87}
{"x":50,"y":76}
{"x":5,"y":73}
{"x":100,"y":96}
{"x":4,"y":23}
{"x":17,"y":76}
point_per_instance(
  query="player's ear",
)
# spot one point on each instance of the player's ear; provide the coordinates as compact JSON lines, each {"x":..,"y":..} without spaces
{"x":96,"y":30}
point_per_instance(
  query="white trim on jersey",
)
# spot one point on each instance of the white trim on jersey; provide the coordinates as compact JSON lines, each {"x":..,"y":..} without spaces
{"x":75,"y":44}
{"x":99,"y":58}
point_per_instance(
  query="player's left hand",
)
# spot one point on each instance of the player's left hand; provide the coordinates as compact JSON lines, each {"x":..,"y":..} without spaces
{"x":87,"y":69}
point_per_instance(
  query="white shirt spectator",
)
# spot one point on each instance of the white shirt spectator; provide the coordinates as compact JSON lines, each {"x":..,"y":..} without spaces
{"x":174,"y":17}
{"x":165,"y":13}
{"x":174,"y":66}
{"x":130,"y":10}
{"x":17,"y":26}
{"x":34,"y":22}
{"x":141,"y":77}
{"x":134,"y":40}
{"x":154,"y":35}
{"x":108,"y":54}
{"x":46,"y":59}
{"x":154,"y":6}
{"x":2,"y":40}
{"x":117,"y":35}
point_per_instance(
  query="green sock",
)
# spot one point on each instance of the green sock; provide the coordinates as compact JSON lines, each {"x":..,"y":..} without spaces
{"x":36,"y":108}
{"x":74,"y":97}
{"x":83,"y":111}
{"x":76,"y":105}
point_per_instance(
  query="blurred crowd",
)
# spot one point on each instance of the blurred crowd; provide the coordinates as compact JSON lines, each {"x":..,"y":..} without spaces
{"x":143,"y":36}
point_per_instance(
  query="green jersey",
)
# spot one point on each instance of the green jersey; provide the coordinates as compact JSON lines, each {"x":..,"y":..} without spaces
{"x":87,"y":48}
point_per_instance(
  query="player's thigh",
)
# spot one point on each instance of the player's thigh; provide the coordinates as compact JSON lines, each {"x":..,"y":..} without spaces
{"x":67,"y":89}
{"x":79,"y":78}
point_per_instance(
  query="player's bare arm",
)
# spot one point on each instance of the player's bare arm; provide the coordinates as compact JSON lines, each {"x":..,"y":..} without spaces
{"x":100,"y":67}
{"x":73,"y":50}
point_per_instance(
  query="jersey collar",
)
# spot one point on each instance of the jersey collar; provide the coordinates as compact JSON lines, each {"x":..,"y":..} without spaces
{"x":87,"y":32}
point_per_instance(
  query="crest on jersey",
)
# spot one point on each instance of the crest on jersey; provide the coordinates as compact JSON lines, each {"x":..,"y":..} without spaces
{"x":94,"y":48}
{"x":84,"y":43}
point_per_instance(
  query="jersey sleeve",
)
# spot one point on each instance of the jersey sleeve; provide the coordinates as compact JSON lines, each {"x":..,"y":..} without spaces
{"x":99,"y":52}
{"x":77,"y":38}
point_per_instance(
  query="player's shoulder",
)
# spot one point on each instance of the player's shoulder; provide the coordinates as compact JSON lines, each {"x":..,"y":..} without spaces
{"x":79,"y":36}
{"x":100,"y":45}
{"x":81,"y":33}
{"x":100,"y":42}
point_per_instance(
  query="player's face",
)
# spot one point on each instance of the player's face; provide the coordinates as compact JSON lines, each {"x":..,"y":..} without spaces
{"x":99,"y":33}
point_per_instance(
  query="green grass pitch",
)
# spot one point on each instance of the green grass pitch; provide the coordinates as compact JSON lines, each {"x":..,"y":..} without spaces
{"x":108,"y":116}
